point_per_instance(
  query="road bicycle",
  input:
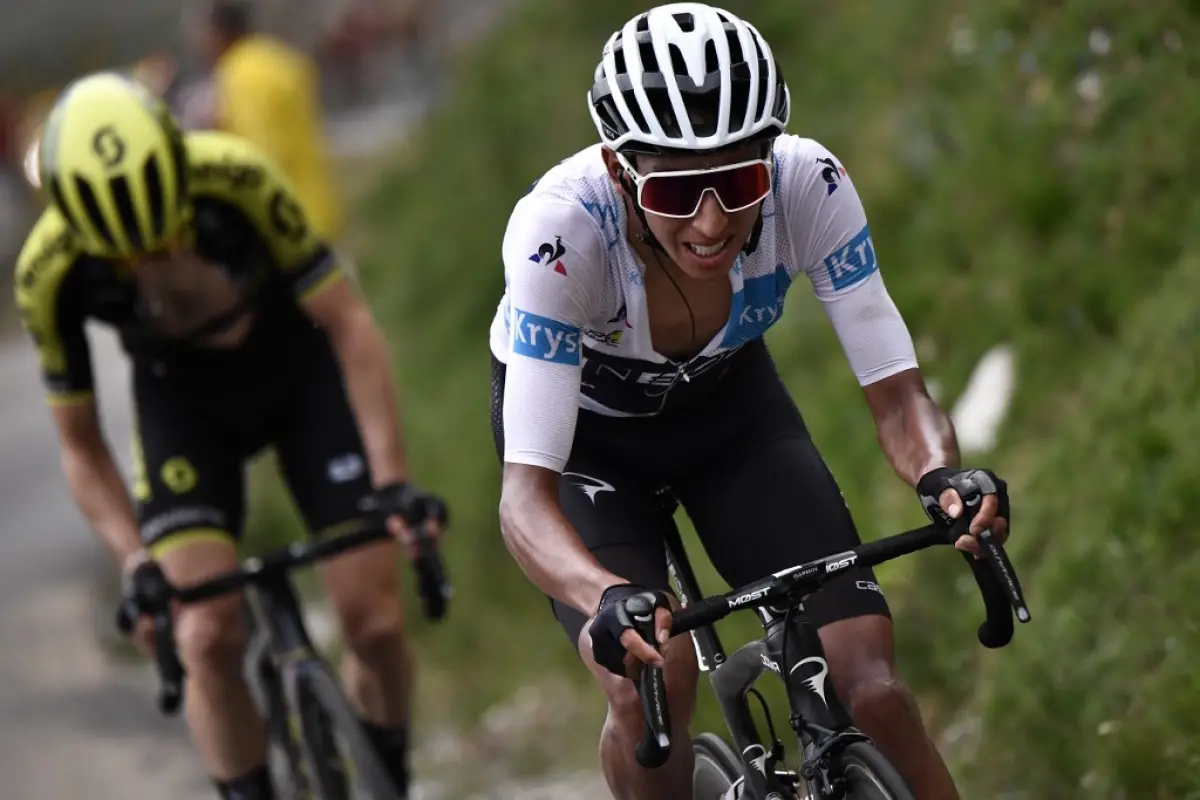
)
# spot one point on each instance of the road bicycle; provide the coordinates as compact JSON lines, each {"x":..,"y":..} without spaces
{"x":839,"y":762}
{"x":310,"y":721}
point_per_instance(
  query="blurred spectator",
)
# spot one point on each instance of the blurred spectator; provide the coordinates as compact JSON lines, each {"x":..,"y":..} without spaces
{"x":364,"y":28}
{"x":268,"y":92}
{"x":195,"y":105}
{"x":157,"y":72}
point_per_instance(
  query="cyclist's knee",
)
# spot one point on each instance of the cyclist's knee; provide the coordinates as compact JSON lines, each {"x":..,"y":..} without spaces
{"x":859,"y":651}
{"x":872,"y":691}
{"x":624,"y":704}
{"x":371,"y":623}
{"x":624,"y":707}
{"x":876,"y":695}
{"x":212,"y":636}
{"x":362,"y":587}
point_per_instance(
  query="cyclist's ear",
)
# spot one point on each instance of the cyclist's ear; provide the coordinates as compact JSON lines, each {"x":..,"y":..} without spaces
{"x":616,"y":173}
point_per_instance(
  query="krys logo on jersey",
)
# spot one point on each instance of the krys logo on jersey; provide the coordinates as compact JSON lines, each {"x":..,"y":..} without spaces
{"x":756,"y":306}
{"x":544,"y":339}
{"x":853,"y":262}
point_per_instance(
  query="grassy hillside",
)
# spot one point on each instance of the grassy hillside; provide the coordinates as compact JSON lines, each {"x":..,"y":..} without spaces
{"x":1027,"y":172}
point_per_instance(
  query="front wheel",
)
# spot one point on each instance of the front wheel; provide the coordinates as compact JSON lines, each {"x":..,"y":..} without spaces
{"x":338,"y":752}
{"x":718,"y":770}
{"x":867,"y":775}
{"x":323,"y":757}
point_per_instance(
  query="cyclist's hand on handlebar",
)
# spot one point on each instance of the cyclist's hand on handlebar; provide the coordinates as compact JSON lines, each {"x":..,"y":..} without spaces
{"x":408,"y":507}
{"x":140,"y":576}
{"x":948,"y":493}
{"x":616,"y":643}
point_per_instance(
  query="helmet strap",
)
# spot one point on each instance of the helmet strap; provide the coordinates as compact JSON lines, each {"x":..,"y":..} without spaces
{"x":756,"y":234}
{"x":645,"y":236}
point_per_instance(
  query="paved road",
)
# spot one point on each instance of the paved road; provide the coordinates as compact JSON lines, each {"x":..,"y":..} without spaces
{"x":76,"y":722}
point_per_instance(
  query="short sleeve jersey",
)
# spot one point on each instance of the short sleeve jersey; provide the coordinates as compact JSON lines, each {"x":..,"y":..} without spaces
{"x":572,"y":326}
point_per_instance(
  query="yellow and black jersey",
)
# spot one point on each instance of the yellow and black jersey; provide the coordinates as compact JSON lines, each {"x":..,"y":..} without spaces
{"x":249,"y":245}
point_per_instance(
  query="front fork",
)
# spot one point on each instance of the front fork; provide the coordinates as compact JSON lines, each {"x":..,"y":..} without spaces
{"x":820,"y":721}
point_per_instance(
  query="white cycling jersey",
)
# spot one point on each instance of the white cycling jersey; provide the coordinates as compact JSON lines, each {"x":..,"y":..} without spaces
{"x":572,"y":326}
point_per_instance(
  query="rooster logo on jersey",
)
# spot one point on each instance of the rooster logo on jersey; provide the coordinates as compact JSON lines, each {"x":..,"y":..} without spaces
{"x":548,"y":253}
{"x":832,"y":174}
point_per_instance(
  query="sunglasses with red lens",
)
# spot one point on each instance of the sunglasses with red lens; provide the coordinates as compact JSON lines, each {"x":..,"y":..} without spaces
{"x":678,"y":193}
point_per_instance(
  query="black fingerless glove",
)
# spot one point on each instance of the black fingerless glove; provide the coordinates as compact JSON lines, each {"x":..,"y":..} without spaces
{"x":612,"y":619}
{"x":147,"y":587}
{"x":971,"y":485}
{"x":415,"y":506}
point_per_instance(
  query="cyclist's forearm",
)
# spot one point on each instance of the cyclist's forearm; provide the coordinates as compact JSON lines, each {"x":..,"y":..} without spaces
{"x":363,"y":355}
{"x":99,"y":492}
{"x":917,"y":436}
{"x":549,"y":551}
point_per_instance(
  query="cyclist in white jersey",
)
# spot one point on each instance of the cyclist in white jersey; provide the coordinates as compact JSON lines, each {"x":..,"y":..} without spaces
{"x":630,"y":373}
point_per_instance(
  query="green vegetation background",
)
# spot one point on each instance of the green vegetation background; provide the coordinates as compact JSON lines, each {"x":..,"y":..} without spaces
{"x":1028,"y":170}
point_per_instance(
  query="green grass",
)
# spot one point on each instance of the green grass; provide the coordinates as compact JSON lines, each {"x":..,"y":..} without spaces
{"x":1007,"y":207}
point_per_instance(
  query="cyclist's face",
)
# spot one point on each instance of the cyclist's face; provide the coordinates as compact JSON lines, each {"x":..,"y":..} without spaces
{"x":706,"y":244}
{"x":160,"y":257}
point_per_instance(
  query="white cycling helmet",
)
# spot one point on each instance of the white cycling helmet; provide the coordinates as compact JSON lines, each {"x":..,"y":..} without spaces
{"x":687,"y":77}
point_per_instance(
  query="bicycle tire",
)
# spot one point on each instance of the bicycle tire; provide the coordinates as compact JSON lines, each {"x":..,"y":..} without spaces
{"x":285,"y":756}
{"x":285,"y":760}
{"x":870,"y":776}
{"x":324,"y":711}
{"x":717,"y":767}
{"x":323,"y":760}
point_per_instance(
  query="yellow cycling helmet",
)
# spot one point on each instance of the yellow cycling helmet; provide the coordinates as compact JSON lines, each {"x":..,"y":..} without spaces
{"x":112,"y":162}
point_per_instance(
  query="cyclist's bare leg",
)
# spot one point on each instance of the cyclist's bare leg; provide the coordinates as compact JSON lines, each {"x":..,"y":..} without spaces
{"x":377,"y":669}
{"x":624,"y":727}
{"x":211,"y":638}
{"x":363,"y":588}
{"x":861,"y":655}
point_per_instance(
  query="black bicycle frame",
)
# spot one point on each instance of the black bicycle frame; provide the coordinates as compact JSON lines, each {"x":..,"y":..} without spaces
{"x":816,"y":709}
{"x":280,"y":615}
{"x":290,"y":660}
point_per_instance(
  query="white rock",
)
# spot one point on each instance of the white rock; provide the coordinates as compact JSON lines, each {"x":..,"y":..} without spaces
{"x":981,"y":409}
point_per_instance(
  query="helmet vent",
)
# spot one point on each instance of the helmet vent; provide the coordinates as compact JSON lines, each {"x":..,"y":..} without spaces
{"x":707,"y":78}
{"x":125,"y":210}
{"x":95,"y":216}
{"x":154,"y":188}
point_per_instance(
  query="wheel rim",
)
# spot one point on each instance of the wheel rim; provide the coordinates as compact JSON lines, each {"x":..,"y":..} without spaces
{"x":710,"y":780}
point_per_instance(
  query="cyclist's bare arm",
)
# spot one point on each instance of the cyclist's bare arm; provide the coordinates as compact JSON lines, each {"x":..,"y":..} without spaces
{"x":916,"y":435}
{"x":543,"y":542}
{"x":547,"y":312}
{"x":94,"y":479}
{"x":363,"y":355}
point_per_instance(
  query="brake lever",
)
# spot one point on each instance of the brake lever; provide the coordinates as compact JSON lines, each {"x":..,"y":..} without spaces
{"x":1006,"y":574}
{"x":155,"y":602}
{"x":655,"y":748}
{"x":996,"y":630}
